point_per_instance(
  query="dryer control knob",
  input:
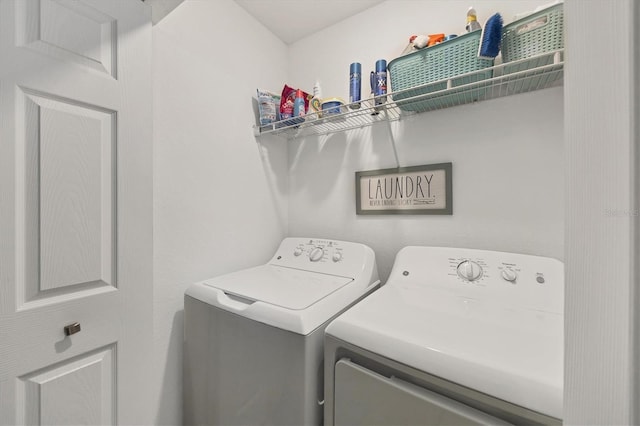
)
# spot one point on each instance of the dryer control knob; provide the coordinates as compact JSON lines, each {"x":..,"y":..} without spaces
{"x":469,"y":270}
{"x":337,"y":256}
{"x":509,"y":275}
{"x":297,"y":252}
{"x":316,"y":254}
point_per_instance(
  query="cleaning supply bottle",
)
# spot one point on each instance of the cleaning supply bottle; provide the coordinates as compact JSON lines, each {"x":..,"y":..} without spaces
{"x":472,"y":20}
{"x":435,"y":39}
{"x":379,"y":81}
{"x":315,"y":103}
{"x":355,"y":77}
{"x":410,"y":47}
{"x":298,"y":104}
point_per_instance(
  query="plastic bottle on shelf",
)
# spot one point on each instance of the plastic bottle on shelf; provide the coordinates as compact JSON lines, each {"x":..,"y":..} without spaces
{"x":379,"y":81}
{"x":315,"y":104}
{"x":472,"y":20}
{"x":410,"y":47}
{"x":298,"y":104}
{"x":355,"y":77}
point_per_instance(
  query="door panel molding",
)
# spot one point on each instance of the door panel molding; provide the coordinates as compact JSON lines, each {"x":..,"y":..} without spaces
{"x":66,"y":181}
{"x":86,"y":381}
{"x":69,"y":31}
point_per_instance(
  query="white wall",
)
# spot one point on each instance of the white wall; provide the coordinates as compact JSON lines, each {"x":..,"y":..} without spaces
{"x":219,"y":197}
{"x":507,"y":154}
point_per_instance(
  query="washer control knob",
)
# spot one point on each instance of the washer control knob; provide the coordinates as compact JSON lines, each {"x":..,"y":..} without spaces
{"x":509,"y":274}
{"x":316,"y":254}
{"x":297,"y":252}
{"x":469,"y":270}
{"x":337,"y":256}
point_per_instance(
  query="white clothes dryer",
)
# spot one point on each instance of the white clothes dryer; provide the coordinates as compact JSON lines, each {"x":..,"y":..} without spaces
{"x":253,"y":350}
{"x":456,"y":336}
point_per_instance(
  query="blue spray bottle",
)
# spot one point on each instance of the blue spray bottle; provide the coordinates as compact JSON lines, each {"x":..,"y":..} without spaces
{"x":379,"y":82}
{"x":355,"y":72}
{"x":298,"y":107}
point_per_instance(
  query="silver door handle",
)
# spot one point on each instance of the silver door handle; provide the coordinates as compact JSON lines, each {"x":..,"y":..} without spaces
{"x":71,"y":329}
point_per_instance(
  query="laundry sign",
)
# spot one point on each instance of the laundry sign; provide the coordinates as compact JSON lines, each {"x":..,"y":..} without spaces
{"x":405,"y":190}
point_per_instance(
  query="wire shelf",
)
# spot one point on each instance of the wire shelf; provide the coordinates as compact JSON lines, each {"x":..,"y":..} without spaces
{"x":525,"y":75}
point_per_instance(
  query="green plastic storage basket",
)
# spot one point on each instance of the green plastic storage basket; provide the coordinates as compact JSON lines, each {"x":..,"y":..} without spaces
{"x":443,"y":61}
{"x":533,"y":35}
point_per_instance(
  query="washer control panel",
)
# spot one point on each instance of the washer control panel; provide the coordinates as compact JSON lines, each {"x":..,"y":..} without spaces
{"x":500,"y":277}
{"x":319,"y":250}
{"x":323,"y":255}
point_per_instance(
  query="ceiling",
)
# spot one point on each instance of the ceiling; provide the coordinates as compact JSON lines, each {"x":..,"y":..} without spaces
{"x":161,"y":8}
{"x":292,"y":20}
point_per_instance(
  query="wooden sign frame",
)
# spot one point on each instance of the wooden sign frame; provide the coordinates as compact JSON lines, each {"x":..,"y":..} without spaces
{"x":405,"y":190}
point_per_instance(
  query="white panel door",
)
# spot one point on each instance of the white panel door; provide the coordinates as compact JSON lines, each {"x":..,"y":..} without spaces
{"x":75,"y":212}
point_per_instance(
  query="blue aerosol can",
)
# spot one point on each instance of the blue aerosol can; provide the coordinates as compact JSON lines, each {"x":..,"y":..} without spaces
{"x":355,"y":77}
{"x":298,"y":104}
{"x":379,"y":82}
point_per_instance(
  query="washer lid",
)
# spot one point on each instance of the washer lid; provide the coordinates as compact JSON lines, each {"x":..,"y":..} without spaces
{"x":284,"y":287}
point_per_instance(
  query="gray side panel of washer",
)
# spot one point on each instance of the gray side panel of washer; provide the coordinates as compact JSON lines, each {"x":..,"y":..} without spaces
{"x":364,"y":397}
{"x":242,"y":372}
{"x":336,"y":349}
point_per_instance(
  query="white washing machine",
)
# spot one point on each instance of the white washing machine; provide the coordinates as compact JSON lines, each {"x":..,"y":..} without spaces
{"x":456,"y":336}
{"x":253,"y":351}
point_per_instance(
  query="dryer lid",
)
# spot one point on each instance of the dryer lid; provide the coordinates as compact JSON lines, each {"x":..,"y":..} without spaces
{"x":511,"y":354}
{"x":288,"y":288}
{"x":500,"y":334}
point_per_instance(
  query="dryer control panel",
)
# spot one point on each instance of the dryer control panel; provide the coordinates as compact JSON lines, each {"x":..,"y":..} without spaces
{"x":509,"y":279}
{"x":326,"y":256}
